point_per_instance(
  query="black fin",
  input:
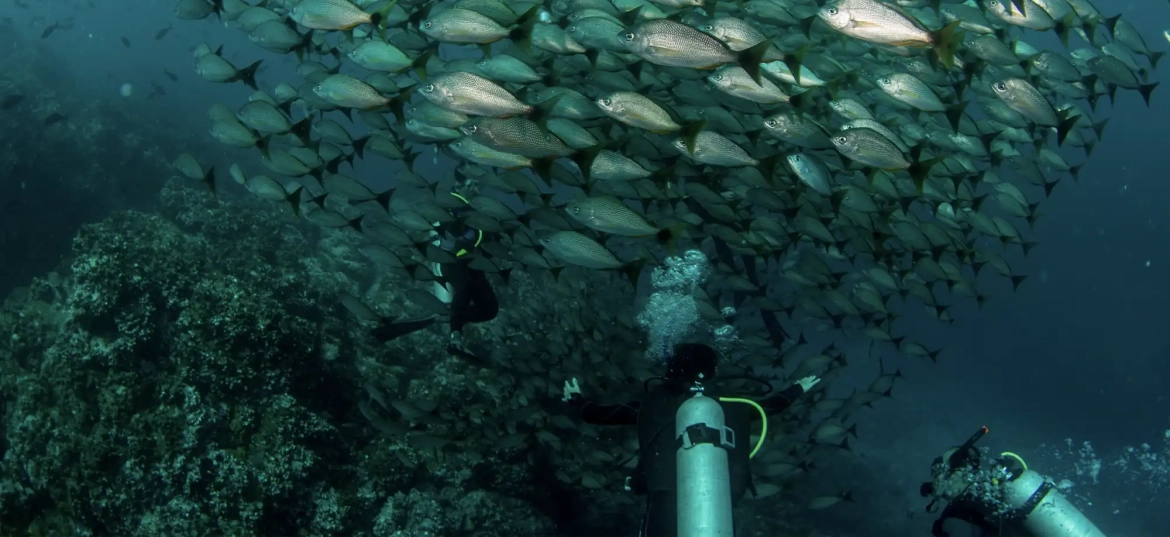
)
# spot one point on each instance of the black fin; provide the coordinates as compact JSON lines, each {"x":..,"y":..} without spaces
{"x":247,"y":75}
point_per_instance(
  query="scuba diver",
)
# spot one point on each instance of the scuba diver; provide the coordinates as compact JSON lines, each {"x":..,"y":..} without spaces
{"x":466,"y":290}
{"x":665,"y":426}
{"x":1003,"y":499}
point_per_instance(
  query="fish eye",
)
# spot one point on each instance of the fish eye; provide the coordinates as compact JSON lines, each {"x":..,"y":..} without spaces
{"x":429,"y":88}
{"x":630,"y":36}
{"x":832,"y":12}
{"x":716,"y":77}
{"x":1000,"y":86}
{"x":428,"y":25}
{"x":606,"y":102}
{"x":709,"y":28}
{"x":840,"y":140}
{"x":472,"y":129}
{"x":771,"y":123}
{"x":571,"y":29}
{"x":574,"y":210}
{"x":885,"y":80}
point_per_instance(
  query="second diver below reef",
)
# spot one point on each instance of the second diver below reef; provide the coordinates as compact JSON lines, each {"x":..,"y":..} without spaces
{"x":465,"y":289}
{"x":654,"y":476}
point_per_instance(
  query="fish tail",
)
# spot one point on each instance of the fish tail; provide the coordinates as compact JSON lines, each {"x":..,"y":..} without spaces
{"x":378,"y":18}
{"x":690,"y":132}
{"x":262,"y":145}
{"x":415,"y":18}
{"x":398,"y":103}
{"x":794,"y":61}
{"x":306,"y":45}
{"x":301,"y":130}
{"x":806,"y":25}
{"x":541,"y":113}
{"x":420,"y":63}
{"x":1111,"y":23}
{"x":1154,"y":57}
{"x":319,"y":201}
{"x":633,"y":270}
{"x":767,"y":166}
{"x":294,"y":199}
{"x":1061,"y":27}
{"x":751,"y":59}
{"x":1033,"y":216}
{"x":668,"y":237}
{"x":383,"y":198}
{"x":920,"y":169}
{"x":359,"y":145}
{"x":1146,"y":90}
{"x":584,"y":159}
{"x":522,"y":33}
{"x":955,"y":114}
{"x":1065,"y":126}
{"x":356,"y":223}
{"x":946,"y":41}
{"x":631,"y":17}
{"x":1099,"y":127}
{"x":247,"y":75}
{"x":987,"y":139}
{"x":209,"y":178}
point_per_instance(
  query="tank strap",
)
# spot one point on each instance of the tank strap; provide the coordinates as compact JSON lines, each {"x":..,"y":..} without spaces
{"x":1025,"y":509}
{"x":701,"y":433}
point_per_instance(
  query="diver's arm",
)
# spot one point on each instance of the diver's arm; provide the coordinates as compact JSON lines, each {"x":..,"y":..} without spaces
{"x":781,"y":401}
{"x":623,"y":414}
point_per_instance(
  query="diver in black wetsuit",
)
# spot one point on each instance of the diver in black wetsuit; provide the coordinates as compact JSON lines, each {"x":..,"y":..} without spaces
{"x":654,"y":416}
{"x":466,"y":289}
{"x":472,"y":298}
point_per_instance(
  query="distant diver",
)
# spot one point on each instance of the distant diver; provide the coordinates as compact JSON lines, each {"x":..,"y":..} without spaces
{"x":690,"y":377}
{"x":466,"y":290}
{"x":1000,"y":499}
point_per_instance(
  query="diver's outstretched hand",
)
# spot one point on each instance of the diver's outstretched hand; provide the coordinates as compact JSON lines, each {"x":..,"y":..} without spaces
{"x":570,"y":390}
{"x":808,"y":382}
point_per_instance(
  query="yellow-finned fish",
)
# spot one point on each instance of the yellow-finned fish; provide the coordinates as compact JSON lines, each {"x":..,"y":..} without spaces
{"x":887,"y":24}
{"x":334,"y":15}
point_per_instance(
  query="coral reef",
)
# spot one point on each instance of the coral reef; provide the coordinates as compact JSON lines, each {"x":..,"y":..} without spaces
{"x":190,"y":373}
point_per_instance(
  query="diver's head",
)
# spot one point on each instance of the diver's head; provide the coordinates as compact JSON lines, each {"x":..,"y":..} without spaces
{"x":692,"y":362}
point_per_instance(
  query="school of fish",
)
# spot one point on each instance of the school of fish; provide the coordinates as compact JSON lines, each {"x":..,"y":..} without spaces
{"x":838,"y":162}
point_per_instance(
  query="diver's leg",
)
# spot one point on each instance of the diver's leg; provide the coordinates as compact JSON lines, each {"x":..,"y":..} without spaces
{"x":462,"y":312}
{"x":487,"y":306}
{"x":392,"y":331}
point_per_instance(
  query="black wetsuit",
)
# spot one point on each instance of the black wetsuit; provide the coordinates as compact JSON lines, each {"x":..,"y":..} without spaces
{"x":472,"y":299}
{"x":655,"y":474}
